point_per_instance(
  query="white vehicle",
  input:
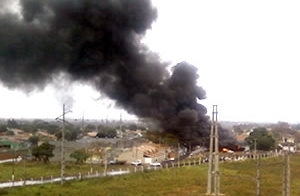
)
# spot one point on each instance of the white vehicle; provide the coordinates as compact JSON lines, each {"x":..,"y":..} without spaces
{"x":136,"y":162}
{"x":156,"y":164}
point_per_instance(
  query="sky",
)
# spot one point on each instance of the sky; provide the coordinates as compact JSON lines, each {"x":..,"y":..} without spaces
{"x":246,"y":52}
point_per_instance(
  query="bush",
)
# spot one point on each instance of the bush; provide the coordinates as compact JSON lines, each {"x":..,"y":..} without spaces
{"x":80,"y":155}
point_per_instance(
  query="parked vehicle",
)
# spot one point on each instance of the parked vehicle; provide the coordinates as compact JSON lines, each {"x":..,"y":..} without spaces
{"x":117,"y":162}
{"x":156,"y":164}
{"x":136,"y":162}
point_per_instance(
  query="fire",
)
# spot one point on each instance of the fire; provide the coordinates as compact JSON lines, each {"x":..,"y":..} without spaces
{"x":227,"y":150}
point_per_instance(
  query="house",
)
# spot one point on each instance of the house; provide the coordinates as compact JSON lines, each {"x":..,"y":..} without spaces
{"x":147,"y":152}
{"x":92,"y":133}
{"x":44,"y":135}
{"x":5,"y":144}
{"x":288,"y":144}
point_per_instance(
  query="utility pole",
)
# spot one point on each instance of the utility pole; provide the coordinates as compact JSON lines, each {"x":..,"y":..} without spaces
{"x":13,"y":168}
{"x":258,"y":175}
{"x":82,"y":122}
{"x":62,"y":158}
{"x":178,"y":155}
{"x":255,"y":148}
{"x":105,"y":163}
{"x":121,"y":132}
{"x":62,"y":169}
{"x":213,"y":180}
{"x":286,"y":175}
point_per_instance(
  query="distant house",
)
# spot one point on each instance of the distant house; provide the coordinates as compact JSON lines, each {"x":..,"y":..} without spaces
{"x":5,"y":144}
{"x":288,"y":144}
{"x":44,"y":135}
{"x":153,"y":152}
{"x":172,"y":155}
{"x":147,"y":152}
{"x":92,"y":133}
{"x":9,"y":150}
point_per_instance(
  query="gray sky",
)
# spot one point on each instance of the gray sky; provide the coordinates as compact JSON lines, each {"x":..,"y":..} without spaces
{"x":247,"y":53}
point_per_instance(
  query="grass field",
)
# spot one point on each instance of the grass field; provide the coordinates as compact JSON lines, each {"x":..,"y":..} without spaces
{"x":237,"y":179}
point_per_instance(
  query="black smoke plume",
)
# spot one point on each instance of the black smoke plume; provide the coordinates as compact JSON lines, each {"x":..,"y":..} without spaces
{"x":99,"y":42}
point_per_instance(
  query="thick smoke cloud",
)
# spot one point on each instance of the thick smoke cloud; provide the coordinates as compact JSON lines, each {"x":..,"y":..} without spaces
{"x":98,"y":42}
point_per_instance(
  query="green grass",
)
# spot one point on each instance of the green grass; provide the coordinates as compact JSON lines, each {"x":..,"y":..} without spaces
{"x":237,"y":179}
{"x":36,"y":170}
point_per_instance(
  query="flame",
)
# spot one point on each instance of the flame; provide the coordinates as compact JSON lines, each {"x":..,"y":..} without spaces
{"x":227,"y":150}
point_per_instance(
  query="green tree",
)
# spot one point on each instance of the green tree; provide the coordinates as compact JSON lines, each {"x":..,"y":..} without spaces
{"x":43,"y":152}
{"x":34,"y":140}
{"x":28,"y":127}
{"x":90,"y":127}
{"x":71,"y":133}
{"x":12,"y":124}
{"x":297,"y":136}
{"x":262,"y":138}
{"x":107,"y":132}
{"x":3,"y":128}
{"x":282,"y":129}
{"x":80,"y":155}
{"x":162,"y":137}
{"x":132,"y":127}
{"x":51,"y":128}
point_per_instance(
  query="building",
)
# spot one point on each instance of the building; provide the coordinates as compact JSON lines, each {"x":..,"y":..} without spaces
{"x":288,"y":144}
